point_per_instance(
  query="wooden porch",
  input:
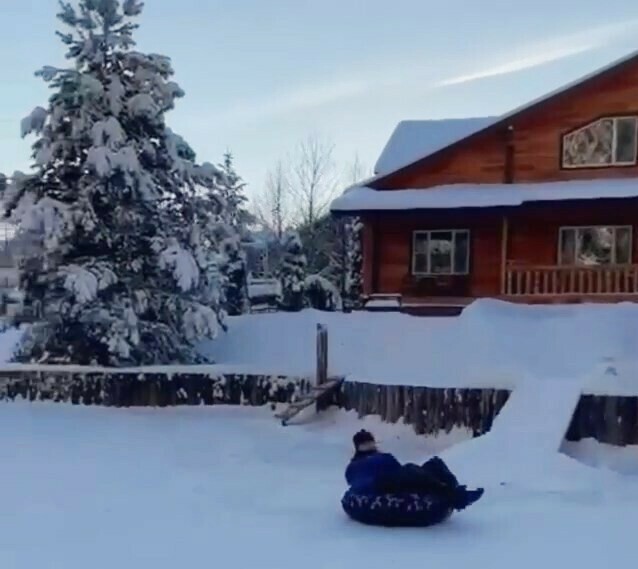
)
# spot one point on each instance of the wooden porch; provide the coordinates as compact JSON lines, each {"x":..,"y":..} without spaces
{"x":581,"y":283}
{"x":533,"y":284}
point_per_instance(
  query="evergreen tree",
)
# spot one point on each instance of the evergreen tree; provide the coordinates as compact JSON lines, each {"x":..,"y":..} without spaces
{"x":236,"y":217}
{"x":353,"y":285}
{"x":292,"y":274}
{"x":119,"y":265}
{"x":235,"y":277}
{"x":232,"y":192}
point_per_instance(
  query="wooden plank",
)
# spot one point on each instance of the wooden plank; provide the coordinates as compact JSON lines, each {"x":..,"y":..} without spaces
{"x":504,"y":238}
{"x":306,"y":401}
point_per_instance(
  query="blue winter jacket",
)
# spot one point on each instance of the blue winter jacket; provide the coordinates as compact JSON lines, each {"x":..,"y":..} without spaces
{"x":365,"y":471}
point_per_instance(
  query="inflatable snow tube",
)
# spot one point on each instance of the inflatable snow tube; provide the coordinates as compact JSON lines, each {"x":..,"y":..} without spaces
{"x":396,"y":510}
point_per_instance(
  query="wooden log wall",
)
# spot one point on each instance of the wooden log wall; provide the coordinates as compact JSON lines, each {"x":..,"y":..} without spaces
{"x":430,"y":411}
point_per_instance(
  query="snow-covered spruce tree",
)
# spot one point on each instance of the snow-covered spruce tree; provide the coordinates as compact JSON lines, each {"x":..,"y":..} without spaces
{"x":232,"y":193}
{"x":233,"y":269}
{"x":237,"y":218}
{"x":118,"y":270}
{"x":353,"y":285}
{"x":292,"y":274}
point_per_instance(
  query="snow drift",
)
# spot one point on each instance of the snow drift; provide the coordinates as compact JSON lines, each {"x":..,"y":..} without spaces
{"x":492,"y":344}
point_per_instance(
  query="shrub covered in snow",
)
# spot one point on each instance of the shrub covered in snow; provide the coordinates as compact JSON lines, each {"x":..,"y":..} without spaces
{"x":124,"y":270}
{"x":321,"y":294}
{"x":292,"y":274}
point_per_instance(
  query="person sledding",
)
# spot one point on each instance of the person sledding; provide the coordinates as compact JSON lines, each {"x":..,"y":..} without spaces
{"x":373,"y":472}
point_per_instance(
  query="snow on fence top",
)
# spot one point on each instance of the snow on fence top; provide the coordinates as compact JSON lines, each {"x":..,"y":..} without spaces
{"x":362,"y":198}
{"x":414,"y":139}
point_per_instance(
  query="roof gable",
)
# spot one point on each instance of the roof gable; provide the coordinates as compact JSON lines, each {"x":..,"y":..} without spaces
{"x":497,"y":122}
{"x":415,"y":139}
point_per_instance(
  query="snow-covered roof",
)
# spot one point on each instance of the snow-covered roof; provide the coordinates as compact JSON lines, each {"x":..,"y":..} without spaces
{"x":399,"y":153}
{"x":414,"y":139}
{"x":454,"y":196}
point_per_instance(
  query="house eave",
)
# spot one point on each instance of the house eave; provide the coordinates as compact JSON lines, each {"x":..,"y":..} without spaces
{"x":365,"y":200}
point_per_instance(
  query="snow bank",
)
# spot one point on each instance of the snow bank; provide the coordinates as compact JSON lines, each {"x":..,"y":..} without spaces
{"x":599,"y":455}
{"x":492,"y":344}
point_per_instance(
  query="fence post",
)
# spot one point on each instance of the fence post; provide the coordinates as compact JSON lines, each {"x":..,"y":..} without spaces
{"x":322,"y":354}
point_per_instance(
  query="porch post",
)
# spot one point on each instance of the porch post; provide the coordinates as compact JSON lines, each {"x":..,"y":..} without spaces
{"x":504,"y":239}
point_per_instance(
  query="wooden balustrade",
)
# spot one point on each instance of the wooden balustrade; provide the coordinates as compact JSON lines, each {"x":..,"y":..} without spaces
{"x":531,"y":280}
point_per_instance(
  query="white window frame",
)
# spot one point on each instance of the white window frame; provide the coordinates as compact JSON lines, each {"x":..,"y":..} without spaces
{"x":614,"y":144}
{"x":613,"y":255}
{"x":428,"y":233}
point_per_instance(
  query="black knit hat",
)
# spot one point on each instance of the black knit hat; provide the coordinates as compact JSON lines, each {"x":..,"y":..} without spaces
{"x":361,"y":438}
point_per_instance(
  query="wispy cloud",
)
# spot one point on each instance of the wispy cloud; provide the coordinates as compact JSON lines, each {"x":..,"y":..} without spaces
{"x":310,"y":96}
{"x":546,"y":52}
{"x":519,"y":64}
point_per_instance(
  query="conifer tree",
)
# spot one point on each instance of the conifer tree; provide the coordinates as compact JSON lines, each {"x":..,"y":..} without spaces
{"x":237,"y":218}
{"x":292,"y":274}
{"x":232,"y":190}
{"x":353,"y":285}
{"x":118,"y":269}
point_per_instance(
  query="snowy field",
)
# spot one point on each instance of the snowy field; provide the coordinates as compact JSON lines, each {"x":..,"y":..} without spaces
{"x":229,"y":487}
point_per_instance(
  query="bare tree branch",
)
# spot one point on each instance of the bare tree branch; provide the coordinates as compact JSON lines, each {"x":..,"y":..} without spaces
{"x":356,"y":171}
{"x":314,"y":179}
{"x":272,"y":206}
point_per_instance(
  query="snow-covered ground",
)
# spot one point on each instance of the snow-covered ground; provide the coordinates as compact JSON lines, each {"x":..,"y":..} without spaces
{"x":492,"y":344}
{"x":230,"y":488}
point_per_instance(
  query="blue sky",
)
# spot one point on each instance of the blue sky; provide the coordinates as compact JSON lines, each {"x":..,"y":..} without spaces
{"x":259,"y":75}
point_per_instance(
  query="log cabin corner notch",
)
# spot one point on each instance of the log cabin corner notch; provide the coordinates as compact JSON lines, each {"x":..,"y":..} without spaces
{"x":539,"y":205}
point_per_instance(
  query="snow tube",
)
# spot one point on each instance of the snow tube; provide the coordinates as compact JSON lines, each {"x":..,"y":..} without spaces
{"x":396,"y":510}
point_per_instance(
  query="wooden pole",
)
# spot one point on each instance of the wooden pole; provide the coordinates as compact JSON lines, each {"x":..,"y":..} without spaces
{"x":322,"y":354}
{"x":504,"y":239}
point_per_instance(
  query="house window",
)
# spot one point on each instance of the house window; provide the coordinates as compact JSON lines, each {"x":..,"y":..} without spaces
{"x":591,"y":246}
{"x":605,"y":142}
{"x":444,"y":252}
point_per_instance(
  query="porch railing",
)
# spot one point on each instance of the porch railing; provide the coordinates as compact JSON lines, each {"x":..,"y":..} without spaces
{"x":533,"y":280}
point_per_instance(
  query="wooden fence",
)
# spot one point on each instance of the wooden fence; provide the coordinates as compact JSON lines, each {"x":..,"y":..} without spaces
{"x":608,"y":419}
{"x":429,"y":410}
{"x":131,"y":388}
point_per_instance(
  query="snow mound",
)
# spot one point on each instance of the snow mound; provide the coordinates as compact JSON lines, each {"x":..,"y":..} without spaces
{"x":492,"y":344}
